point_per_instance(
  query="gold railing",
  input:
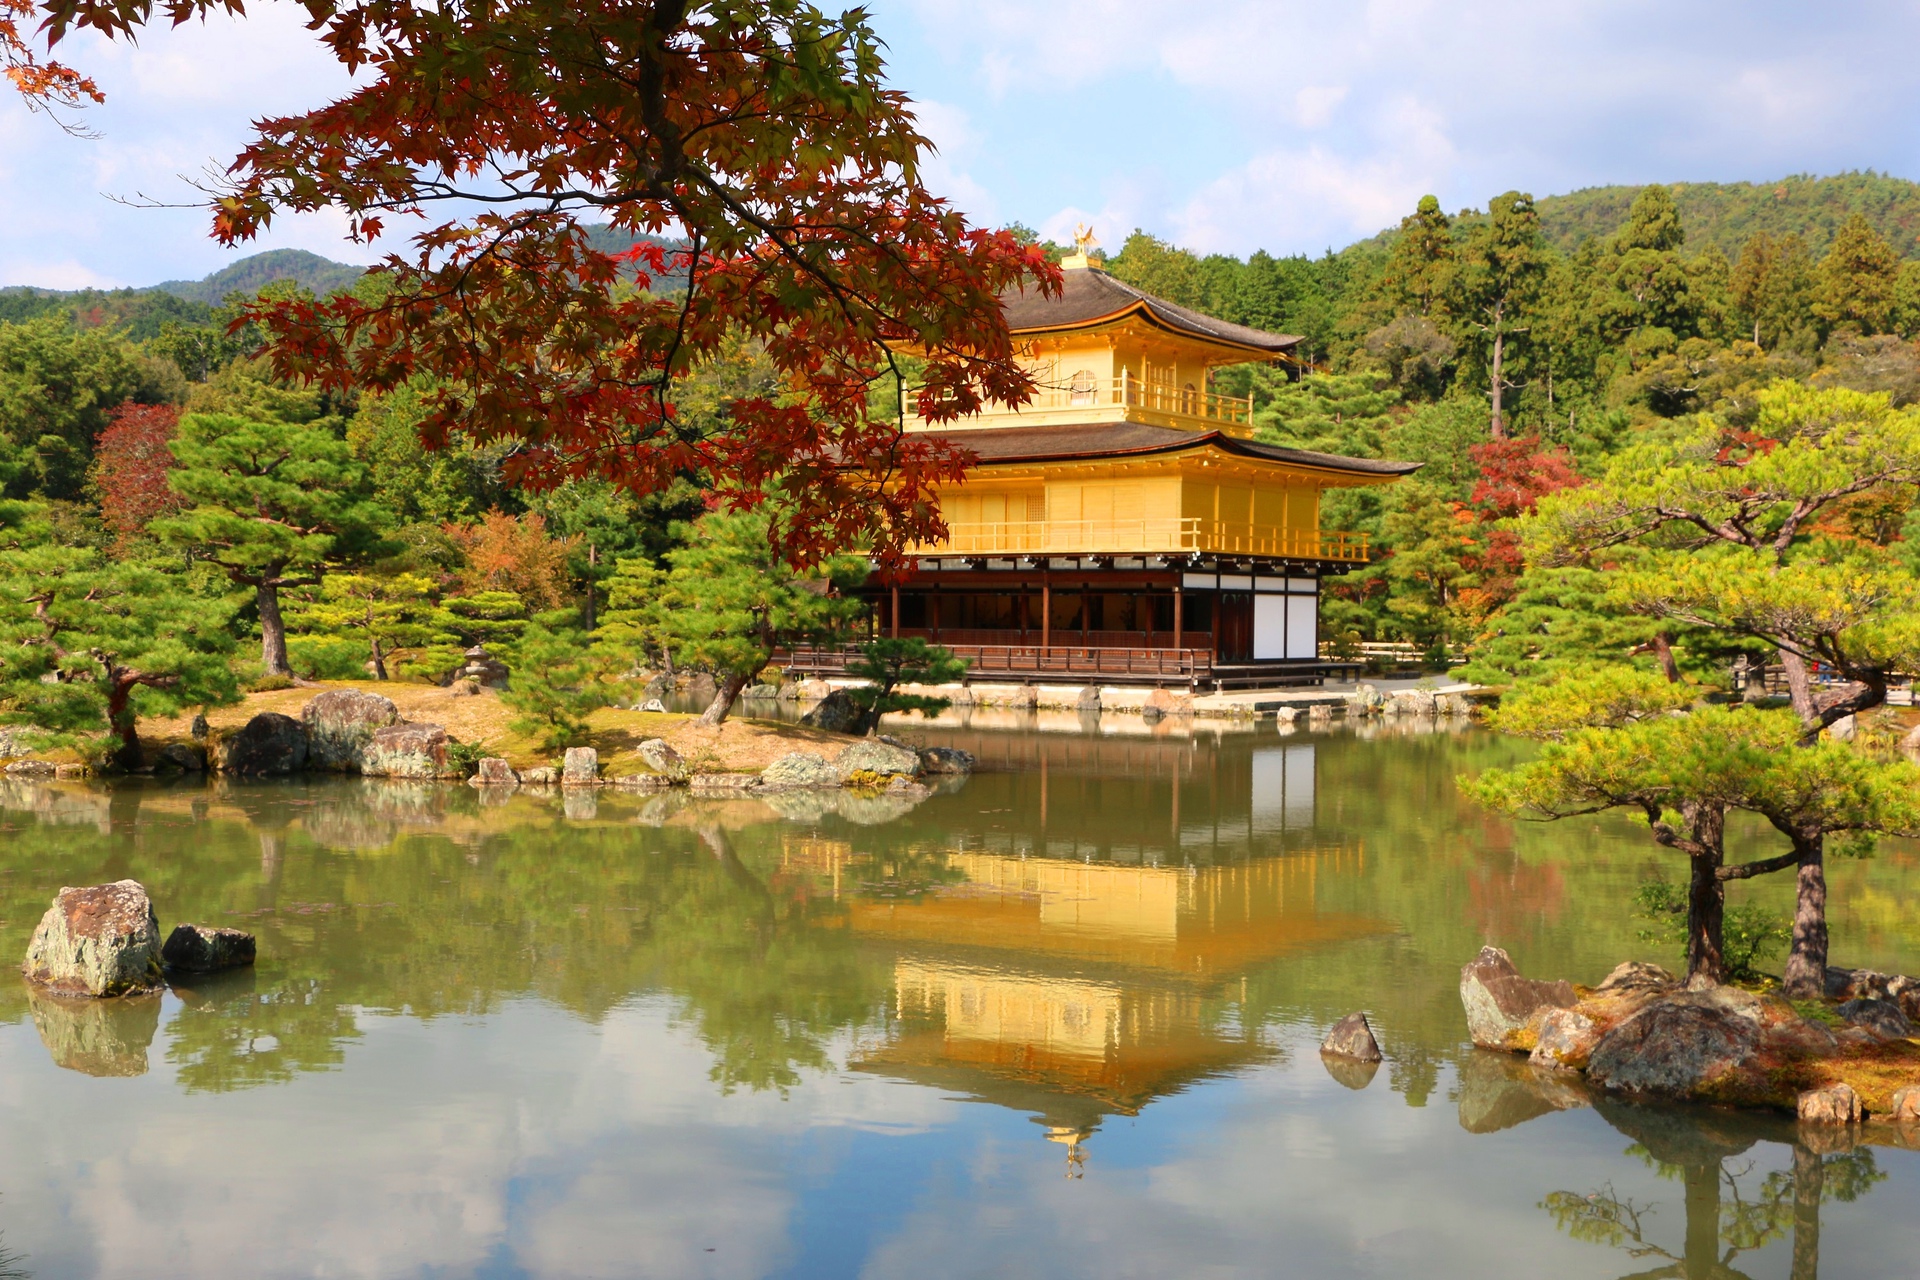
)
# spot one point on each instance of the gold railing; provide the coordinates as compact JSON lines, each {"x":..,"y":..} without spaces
{"x":1149,"y":536}
{"x":1231,"y":413}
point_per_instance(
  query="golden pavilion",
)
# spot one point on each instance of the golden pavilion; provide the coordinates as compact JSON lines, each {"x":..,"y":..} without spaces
{"x":1125,"y":525}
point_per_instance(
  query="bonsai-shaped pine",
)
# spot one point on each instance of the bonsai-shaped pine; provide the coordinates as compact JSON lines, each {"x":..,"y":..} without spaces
{"x":395,"y":615}
{"x":729,"y":597}
{"x":87,"y":644}
{"x":558,"y":680}
{"x":887,"y":664}
{"x":1616,"y":738}
{"x":272,"y":504}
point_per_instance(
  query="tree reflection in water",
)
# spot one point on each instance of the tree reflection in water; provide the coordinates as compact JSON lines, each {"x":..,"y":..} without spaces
{"x":1729,"y":1211}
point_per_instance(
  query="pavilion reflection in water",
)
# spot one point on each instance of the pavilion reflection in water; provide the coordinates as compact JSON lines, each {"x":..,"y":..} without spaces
{"x":1077,"y":990}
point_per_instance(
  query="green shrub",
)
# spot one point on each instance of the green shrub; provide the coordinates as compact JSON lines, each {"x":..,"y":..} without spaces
{"x":1750,"y":934}
{"x":319,"y":657}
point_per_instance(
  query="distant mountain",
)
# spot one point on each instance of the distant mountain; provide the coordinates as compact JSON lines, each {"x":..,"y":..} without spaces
{"x":1727,"y":213}
{"x":251,"y":274}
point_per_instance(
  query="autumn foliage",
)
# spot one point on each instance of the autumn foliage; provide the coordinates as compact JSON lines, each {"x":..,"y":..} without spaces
{"x":749,"y":147}
{"x":517,"y":554}
{"x":131,"y":461}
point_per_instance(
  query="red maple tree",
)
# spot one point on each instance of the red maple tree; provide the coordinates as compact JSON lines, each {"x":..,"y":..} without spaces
{"x":747,"y":151}
{"x":130,"y":465}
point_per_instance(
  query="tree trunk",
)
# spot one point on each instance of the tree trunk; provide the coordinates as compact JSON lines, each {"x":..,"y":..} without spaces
{"x":1800,"y":688}
{"x":1806,"y":973}
{"x":1809,"y":1185}
{"x":125,"y":725}
{"x":273,"y":632}
{"x":1499,"y":351}
{"x":1702,"y":1196}
{"x":379,"y":659}
{"x":723,"y":697}
{"x":1663,"y":649}
{"x":1707,"y":898}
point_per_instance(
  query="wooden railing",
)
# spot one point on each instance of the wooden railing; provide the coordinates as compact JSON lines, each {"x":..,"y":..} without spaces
{"x":1233,"y":414}
{"x":1029,"y":660}
{"x":1149,"y":536}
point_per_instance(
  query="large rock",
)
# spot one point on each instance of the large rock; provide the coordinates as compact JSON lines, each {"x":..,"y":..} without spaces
{"x":1165,"y":702}
{"x":102,"y":940}
{"x":1566,"y":1040}
{"x":493,"y":771}
{"x":340,"y":723}
{"x":812,"y":690}
{"x":187,"y":757}
{"x":1835,"y":1104}
{"x":837,"y":712}
{"x":1905,"y":1106}
{"x":581,"y":767}
{"x":1500,"y":1003}
{"x":1682,"y":1046}
{"x":197,"y":948}
{"x":268,"y":744}
{"x":800,"y":769}
{"x":96,"y":1037}
{"x":880,"y":758}
{"x":406,"y":751}
{"x":658,"y":755}
{"x":1883,"y":1016}
{"x":1352,"y":1037}
{"x":947,"y":760}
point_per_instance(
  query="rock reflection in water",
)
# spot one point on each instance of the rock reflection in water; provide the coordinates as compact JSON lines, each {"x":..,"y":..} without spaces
{"x":96,"y":1037}
{"x":1729,"y":1208}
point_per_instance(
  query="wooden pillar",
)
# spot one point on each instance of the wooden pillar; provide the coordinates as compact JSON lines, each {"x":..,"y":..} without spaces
{"x":893,"y":628}
{"x":933,"y":607}
{"x":1046,"y":608}
{"x":1179,"y":602}
{"x":1086,"y":608}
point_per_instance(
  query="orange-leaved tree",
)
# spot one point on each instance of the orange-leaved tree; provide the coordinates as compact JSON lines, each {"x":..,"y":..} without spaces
{"x":749,"y":160}
{"x":131,"y":459}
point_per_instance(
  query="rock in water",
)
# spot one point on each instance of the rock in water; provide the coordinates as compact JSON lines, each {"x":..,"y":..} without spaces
{"x":493,"y":771}
{"x":658,"y":755}
{"x":340,"y":723}
{"x":1500,"y":1003}
{"x":877,"y":757}
{"x":1835,"y":1104}
{"x":96,"y":1037}
{"x":1566,"y":1040}
{"x":185,"y":756}
{"x":581,"y":768}
{"x":270,"y":743}
{"x":1679,"y":1046}
{"x":1166,"y":702}
{"x":1349,"y":1073}
{"x":406,"y":751}
{"x":103,"y":940}
{"x":947,"y":760}
{"x":196,"y":948}
{"x":1905,"y":1107}
{"x":1883,"y":1016}
{"x":544,"y":775}
{"x":800,"y":769}
{"x":1352,"y":1037}
{"x":837,"y":712}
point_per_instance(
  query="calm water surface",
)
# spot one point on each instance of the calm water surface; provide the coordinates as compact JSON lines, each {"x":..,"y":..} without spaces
{"x":1058,"y":1021}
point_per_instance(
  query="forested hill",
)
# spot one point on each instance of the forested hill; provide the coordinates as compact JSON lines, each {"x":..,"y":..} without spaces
{"x":251,"y":274}
{"x":1725,"y":214}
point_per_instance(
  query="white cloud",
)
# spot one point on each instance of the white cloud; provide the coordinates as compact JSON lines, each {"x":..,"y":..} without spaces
{"x":1313,"y":105}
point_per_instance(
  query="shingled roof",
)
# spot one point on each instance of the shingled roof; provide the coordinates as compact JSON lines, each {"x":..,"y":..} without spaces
{"x":1090,"y":297}
{"x":1009,"y":445}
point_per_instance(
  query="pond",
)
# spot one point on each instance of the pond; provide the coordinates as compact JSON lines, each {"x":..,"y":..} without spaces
{"x":1058,"y":1020}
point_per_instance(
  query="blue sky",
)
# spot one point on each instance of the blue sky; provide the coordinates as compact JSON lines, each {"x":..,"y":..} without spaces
{"x":1226,"y":126}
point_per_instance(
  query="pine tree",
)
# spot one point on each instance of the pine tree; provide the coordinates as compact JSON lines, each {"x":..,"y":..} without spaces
{"x":88,"y":642}
{"x":1502,"y":276}
{"x":1418,"y":275}
{"x":1771,"y":288}
{"x":1856,"y":284}
{"x":272,"y":504}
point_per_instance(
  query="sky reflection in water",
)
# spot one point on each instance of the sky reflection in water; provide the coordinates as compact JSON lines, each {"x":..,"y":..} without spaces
{"x":1061,"y":1020}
